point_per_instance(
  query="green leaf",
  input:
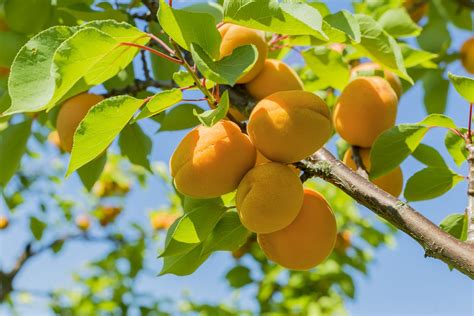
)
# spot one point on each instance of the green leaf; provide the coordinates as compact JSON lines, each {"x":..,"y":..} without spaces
{"x":228,"y":69}
{"x":189,"y":27}
{"x":430,"y":183}
{"x":228,"y":235}
{"x":398,"y":23}
{"x":192,"y":229}
{"x":211,"y":8}
{"x":135,"y":145}
{"x":162,"y":68}
{"x":90,"y":173}
{"x":435,"y":36}
{"x":380,"y":46}
{"x":97,"y":130}
{"x":269,"y":15}
{"x":189,"y":204}
{"x":238,"y":277}
{"x":160,"y":102}
{"x":11,"y":43}
{"x":436,"y":91}
{"x":31,"y":82}
{"x":456,"y":147}
{"x":438,"y":120}
{"x":459,"y":15}
{"x":343,"y":22}
{"x":211,"y":117}
{"x":428,"y":156}
{"x":330,"y":64}
{"x":180,"y":117}
{"x":183,"y":78}
{"x":37,"y":227}
{"x":415,"y":57}
{"x":27,"y":16}
{"x":464,"y":86}
{"x":184,"y":263}
{"x":393,"y":146}
{"x":13,"y":142}
{"x":456,"y":225}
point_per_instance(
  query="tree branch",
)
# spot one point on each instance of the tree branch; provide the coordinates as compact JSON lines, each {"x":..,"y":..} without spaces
{"x":470,"y":194}
{"x":437,"y":243}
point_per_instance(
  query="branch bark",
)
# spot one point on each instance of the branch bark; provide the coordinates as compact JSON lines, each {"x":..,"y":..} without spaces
{"x":437,"y":243}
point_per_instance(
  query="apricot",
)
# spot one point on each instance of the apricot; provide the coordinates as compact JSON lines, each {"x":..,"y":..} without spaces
{"x":234,"y":36}
{"x":71,"y":114}
{"x":269,"y":198}
{"x":392,"y":79}
{"x":366,"y":108}
{"x":211,"y":161}
{"x":417,"y":9}
{"x":108,"y":214}
{"x":4,"y":222}
{"x":275,"y":76}
{"x":343,"y":241}
{"x":467,"y":55}
{"x":391,"y":183}
{"x":162,"y":220}
{"x":83,"y":222}
{"x":308,"y":240}
{"x":288,"y":126}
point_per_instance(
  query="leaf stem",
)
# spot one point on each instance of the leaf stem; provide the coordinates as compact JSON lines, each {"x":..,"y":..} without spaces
{"x":153,"y":51}
{"x":161,"y":43}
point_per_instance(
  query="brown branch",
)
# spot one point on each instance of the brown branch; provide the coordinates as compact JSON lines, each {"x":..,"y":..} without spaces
{"x":470,"y":194}
{"x":437,"y":243}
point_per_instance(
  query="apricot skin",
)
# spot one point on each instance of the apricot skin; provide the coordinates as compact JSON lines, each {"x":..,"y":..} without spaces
{"x":467,"y":55}
{"x":275,"y":76}
{"x":391,"y":183}
{"x":288,"y":126}
{"x":234,"y":36}
{"x":366,"y":108}
{"x":70,"y":116}
{"x":211,"y":161}
{"x":269,"y":198}
{"x":417,"y":9}
{"x":392,"y":79}
{"x":308,"y":240}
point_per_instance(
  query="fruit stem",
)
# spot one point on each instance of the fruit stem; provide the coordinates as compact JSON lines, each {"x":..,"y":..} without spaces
{"x":153,"y":51}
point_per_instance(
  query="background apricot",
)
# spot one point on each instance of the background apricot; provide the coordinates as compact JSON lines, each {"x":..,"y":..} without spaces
{"x":417,"y":9}
{"x":308,"y":240}
{"x":393,"y":79}
{"x":83,"y":222}
{"x":275,"y":76}
{"x":269,"y":197}
{"x":4,"y":222}
{"x":391,"y":182}
{"x":234,"y":36}
{"x":366,"y":108}
{"x":289,"y":126}
{"x":71,"y":114}
{"x":211,"y":161}
{"x":467,"y":55}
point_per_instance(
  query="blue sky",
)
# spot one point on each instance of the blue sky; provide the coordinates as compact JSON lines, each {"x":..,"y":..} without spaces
{"x":401,"y":281}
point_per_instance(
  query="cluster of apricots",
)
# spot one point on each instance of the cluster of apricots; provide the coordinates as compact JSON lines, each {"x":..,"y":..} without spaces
{"x":295,"y":227}
{"x":367,"y":107}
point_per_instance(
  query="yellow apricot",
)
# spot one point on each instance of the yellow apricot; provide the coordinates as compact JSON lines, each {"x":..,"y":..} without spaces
{"x":83,"y":222}
{"x":417,"y":9}
{"x":393,"y":79}
{"x":71,"y":114}
{"x":366,"y":108}
{"x":162,"y":220}
{"x":269,"y":198}
{"x":234,"y":36}
{"x":275,"y":76}
{"x":288,"y":126}
{"x":4,"y":222}
{"x":391,"y":183}
{"x":467,"y":55}
{"x":308,"y":240}
{"x":211,"y":161}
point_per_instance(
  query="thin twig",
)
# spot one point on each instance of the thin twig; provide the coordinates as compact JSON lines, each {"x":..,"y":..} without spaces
{"x":153,"y":51}
{"x":470,"y":194}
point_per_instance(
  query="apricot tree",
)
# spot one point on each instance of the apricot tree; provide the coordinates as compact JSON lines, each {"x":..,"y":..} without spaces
{"x":265,"y":87}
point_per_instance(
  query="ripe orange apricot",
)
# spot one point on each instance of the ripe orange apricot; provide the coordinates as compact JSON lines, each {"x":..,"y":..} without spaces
{"x":417,"y":9}
{"x":4,"y":222}
{"x":275,"y":76}
{"x":162,"y":220}
{"x":366,"y":108}
{"x":393,"y":79}
{"x":83,"y":222}
{"x":269,"y":198}
{"x":391,"y":182}
{"x":288,"y":126}
{"x":467,"y":55}
{"x":308,"y":240}
{"x":343,"y":241}
{"x":71,"y":114}
{"x":211,"y":161}
{"x":234,"y":36}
